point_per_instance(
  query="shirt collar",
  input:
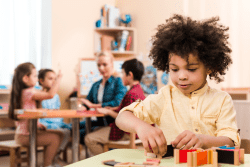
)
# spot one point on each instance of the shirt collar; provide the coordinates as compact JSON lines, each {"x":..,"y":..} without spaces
{"x":109,"y":80}
{"x":134,"y":86}
{"x":197,"y":92}
{"x":201,"y":91}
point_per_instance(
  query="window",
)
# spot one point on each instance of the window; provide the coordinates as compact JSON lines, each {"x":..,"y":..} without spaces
{"x":25,"y":35}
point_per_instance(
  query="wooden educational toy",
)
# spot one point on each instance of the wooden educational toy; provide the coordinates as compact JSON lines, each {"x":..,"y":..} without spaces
{"x":150,"y":162}
{"x":230,"y":155}
{"x":197,"y":157}
{"x":193,"y":157}
{"x":201,"y":157}
{"x":170,"y":153}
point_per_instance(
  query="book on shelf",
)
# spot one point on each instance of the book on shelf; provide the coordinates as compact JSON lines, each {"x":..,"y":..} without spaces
{"x":123,"y":40}
{"x":109,"y":16}
{"x":128,"y":44}
{"x":106,"y":42}
{"x":113,"y":17}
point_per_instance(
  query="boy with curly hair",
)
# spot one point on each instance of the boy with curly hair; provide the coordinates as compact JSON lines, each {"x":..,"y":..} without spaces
{"x":189,"y":114}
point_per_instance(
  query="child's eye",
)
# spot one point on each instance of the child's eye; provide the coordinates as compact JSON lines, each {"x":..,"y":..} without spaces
{"x":192,"y":70}
{"x":174,"y":70}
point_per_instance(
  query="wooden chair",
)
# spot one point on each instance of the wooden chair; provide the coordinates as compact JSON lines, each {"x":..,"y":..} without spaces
{"x":131,"y":143}
{"x":65,"y":152}
{"x":7,"y":143}
{"x":15,"y":152}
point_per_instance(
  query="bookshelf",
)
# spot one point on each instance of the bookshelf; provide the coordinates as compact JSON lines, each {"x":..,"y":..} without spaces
{"x":7,"y":131}
{"x":5,"y":94}
{"x":103,"y":38}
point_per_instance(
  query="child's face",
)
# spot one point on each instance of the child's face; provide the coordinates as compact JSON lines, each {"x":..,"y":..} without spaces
{"x":48,"y":80}
{"x":125,"y":78}
{"x":31,"y":80}
{"x":187,"y":77}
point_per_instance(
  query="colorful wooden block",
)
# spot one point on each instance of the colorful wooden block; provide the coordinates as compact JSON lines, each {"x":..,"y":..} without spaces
{"x":124,"y":164}
{"x":201,"y":157}
{"x":153,"y":160}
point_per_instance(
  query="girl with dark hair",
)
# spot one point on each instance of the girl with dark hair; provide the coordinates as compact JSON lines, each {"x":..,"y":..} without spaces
{"x":24,"y":96}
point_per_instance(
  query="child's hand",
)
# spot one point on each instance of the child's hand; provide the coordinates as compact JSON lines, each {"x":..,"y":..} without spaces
{"x":80,"y":107}
{"x":103,"y":111}
{"x":152,"y":137}
{"x":187,"y":140}
{"x":111,"y":108}
{"x":86,"y":101}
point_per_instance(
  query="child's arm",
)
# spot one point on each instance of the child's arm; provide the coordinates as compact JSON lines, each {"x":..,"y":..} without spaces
{"x":148,"y":134}
{"x":41,"y":95}
{"x":112,"y":108}
{"x":188,"y":139}
{"x":90,"y":104}
{"x":106,"y":111}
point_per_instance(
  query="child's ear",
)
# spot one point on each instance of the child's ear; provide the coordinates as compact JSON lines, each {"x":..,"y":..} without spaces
{"x":41,"y":80}
{"x":131,"y":74}
{"x":25,"y":79}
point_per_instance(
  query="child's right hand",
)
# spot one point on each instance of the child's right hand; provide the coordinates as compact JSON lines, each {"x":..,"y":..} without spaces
{"x":152,"y":137}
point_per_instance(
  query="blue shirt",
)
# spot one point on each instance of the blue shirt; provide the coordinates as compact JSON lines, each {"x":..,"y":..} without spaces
{"x":114,"y":91}
{"x":52,"y":123}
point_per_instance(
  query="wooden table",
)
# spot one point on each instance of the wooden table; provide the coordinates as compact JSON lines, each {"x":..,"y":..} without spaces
{"x":137,"y":156}
{"x":33,"y":115}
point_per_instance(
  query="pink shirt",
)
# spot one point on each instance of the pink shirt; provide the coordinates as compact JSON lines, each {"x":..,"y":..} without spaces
{"x":22,"y":125}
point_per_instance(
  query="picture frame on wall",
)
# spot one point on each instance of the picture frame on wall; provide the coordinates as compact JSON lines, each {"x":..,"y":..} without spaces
{"x":89,"y":74}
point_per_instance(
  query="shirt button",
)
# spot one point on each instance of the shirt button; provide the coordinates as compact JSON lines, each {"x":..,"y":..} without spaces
{"x":196,"y":130}
{"x":192,"y":107}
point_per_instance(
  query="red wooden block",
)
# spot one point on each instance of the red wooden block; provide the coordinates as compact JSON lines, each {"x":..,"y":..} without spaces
{"x":183,"y":155}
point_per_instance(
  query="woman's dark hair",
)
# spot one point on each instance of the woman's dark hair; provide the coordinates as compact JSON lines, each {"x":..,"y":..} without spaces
{"x":135,"y":66}
{"x":42,"y":74}
{"x":17,"y":86}
{"x":182,"y":36}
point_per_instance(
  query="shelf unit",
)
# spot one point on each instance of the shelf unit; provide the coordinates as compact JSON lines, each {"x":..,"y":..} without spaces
{"x":5,"y":95}
{"x":6,"y":125}
{"x":114,"y":33}
{"x":238,"y":93}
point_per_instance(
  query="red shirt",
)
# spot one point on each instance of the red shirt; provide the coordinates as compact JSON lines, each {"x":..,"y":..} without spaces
{"x":131,"y":96}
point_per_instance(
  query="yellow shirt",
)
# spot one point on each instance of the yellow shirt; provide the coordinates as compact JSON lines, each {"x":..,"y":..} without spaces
{"x":206,"y":111}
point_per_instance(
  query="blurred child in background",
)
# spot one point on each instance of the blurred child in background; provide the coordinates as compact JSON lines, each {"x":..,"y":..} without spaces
{"x":24,"y":96}
{"x":46,"y":79}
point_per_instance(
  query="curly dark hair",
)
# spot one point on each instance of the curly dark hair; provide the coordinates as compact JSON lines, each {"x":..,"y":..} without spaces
{"x":181,"y":36}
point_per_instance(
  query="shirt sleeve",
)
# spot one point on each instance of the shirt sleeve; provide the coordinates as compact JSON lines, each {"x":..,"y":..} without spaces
{"x":226,"y":122}
{"x":90,"y":95}
{"x":120,"y":91}
{"x":148,"y":110}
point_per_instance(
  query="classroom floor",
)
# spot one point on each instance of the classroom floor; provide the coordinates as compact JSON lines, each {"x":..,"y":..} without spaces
{"x":5,"y":160}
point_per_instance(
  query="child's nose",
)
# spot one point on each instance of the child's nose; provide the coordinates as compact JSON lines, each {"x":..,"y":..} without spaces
{"x":182,"y":75}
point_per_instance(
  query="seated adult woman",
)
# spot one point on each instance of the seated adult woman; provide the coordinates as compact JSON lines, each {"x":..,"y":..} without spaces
{"x":107,"y":92}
